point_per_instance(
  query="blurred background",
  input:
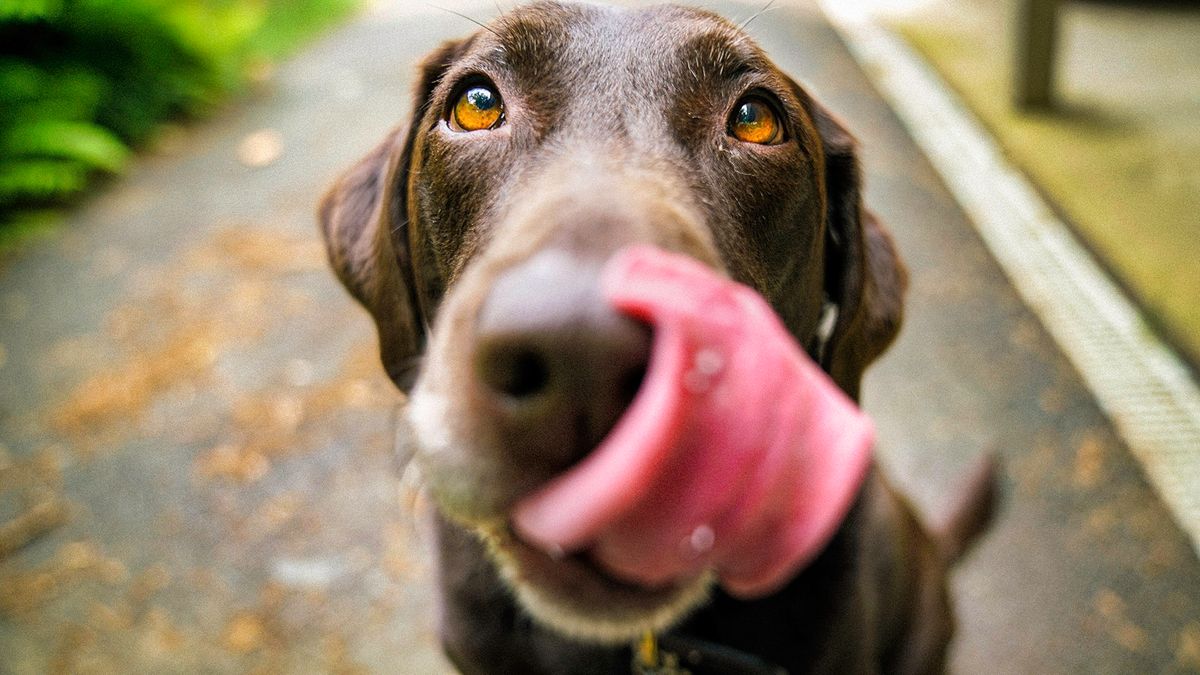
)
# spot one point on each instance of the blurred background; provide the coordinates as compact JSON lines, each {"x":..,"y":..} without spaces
{"x":1097,"y":101}
{"x":196,"y":470}
{"x":84,"y":82}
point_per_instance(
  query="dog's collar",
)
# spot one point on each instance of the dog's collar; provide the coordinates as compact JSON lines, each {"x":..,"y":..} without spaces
{"x":674,"y":654}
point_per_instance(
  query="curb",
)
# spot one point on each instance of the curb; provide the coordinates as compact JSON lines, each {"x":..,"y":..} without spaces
{"x":1142,"y":386}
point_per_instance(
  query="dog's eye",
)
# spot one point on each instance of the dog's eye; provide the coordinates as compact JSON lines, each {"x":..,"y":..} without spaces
{"x":477,"y":108}
{"x":754,"y":121}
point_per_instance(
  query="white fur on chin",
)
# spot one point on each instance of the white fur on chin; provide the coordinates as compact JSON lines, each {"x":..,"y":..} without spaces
{"x":583,"y":623}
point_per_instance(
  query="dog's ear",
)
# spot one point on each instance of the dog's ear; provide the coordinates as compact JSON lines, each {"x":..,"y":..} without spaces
{"x":363,"y":218}
{"x":865,"y":280}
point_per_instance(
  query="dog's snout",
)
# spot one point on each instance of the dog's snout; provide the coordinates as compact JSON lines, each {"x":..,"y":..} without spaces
{"x":557,"y":363}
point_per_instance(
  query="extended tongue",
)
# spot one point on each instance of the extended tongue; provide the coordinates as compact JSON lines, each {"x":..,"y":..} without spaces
{"x":570,"y":510}
{"x":687,"y":458}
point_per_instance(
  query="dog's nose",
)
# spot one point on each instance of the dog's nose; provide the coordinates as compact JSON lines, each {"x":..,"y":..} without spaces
{"x":558,"y":365}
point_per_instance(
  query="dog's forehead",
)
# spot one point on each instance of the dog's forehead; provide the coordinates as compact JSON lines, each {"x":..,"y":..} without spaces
{"x":596,"y":41}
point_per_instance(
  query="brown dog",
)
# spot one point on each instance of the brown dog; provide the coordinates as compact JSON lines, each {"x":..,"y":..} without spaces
{"x":474,"y":235}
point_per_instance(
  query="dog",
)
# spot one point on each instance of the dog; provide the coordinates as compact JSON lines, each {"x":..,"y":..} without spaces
{"x":536,"y":149}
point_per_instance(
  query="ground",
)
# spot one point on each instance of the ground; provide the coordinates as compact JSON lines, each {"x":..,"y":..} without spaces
{"x":193,"y":410}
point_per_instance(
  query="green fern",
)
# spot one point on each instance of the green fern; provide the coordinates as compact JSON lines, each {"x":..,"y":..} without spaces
{"x":28,"y":10}
{"x":23,"y":226}
{"x":83,"y":81}
{"x":92,"y":146}
{"x":24,"y":181}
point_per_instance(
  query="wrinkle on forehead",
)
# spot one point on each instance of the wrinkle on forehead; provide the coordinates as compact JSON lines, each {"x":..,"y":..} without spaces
{"x":541,"y":35}
{"x":720,"y":54}
{"x":533,"y":36}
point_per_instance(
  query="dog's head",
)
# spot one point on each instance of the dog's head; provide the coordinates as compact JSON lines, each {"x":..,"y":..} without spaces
{"x":537,"y":148}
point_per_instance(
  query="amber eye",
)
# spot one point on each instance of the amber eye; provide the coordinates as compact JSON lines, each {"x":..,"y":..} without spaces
{"x":477,"y":108}
{"x":753,"y":121}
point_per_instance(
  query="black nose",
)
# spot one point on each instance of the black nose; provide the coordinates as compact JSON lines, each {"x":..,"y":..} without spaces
{"x":557,"y":364}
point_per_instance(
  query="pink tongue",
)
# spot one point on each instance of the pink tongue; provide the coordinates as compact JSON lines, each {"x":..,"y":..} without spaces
{"x":738,"y":454}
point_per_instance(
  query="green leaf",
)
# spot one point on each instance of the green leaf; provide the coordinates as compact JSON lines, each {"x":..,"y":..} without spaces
{"x":93,"y":146}
{"x":65,"y":93}
{"x":28,"y":180}
{"x":20,"y":227}
{"x":29,"y":10}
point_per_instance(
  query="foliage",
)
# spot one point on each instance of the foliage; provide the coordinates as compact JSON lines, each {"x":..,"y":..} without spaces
{"x":84,"y":81}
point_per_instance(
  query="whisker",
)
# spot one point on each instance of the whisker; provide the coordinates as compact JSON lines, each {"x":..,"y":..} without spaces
{"x":757,"y":14}
{"x":464,"y":16}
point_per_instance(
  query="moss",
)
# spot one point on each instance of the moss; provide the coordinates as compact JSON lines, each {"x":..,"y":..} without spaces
{"x":1129,"y":194}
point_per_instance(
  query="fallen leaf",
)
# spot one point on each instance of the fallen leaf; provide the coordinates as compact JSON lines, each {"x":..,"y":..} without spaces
{"x":1187,"y":654}
{"x":244,"y":633}
{"x":34,"y":522}
{"x":261,"y":148}
{"x":233,"y":462}
{"x":1089,"y":462}
{"x":1109,"y":604}
{"x":1120,"y":628}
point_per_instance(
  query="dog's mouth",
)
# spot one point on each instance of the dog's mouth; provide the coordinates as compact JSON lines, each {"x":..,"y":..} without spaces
{"x":582,"y":563}
{"x":577,"y":595}
{"x":737,"y":454}
{"x":737,"y":458}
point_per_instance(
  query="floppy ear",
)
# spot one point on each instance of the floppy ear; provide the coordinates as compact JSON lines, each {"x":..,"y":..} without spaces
{"x":865,"y":280}
{"x":364,"y":219}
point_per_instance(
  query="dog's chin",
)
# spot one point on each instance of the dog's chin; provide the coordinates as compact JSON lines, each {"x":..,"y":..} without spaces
{"x":573,"y":596}
{"x":568,"y":594}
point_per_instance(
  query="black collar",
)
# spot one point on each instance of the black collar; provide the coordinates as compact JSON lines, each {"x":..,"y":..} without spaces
{"x":680,"y":654}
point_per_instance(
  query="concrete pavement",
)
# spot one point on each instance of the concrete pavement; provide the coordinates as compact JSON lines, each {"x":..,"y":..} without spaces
{"x":185,"y":376}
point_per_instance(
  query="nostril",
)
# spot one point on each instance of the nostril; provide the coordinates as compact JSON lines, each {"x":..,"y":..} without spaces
{"x":527,"y":375}
{"x":517,"y":372}
{"x":629,"y":383}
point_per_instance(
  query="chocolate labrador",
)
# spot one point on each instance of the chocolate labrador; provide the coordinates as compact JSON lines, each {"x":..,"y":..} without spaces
{"x":474,"y":235}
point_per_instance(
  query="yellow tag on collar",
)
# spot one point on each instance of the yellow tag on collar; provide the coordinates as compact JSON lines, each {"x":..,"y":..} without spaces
{"x":648,"y":660}
{"x":647,"y":650}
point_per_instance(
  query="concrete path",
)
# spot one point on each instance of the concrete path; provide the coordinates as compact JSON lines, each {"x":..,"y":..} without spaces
{"x":185,"y":387}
